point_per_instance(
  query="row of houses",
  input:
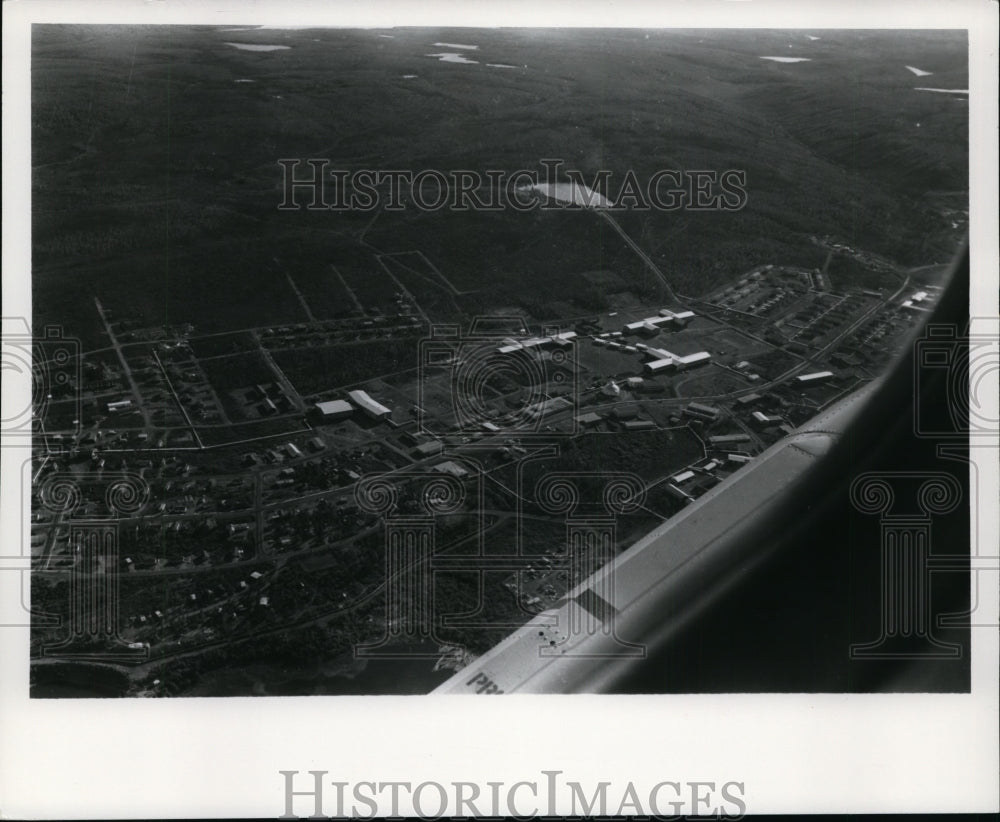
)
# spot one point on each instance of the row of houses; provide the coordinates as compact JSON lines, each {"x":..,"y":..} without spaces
{"x":692,"y":481}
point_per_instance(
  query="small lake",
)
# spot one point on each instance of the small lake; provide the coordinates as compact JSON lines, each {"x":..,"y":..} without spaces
{"x":456,"y":46}
{"x":451,"y":57}
{"x":788,"y":59}
{"x":572,"y":193}
{"x":944,"y":90}
{"x":255,"y":47}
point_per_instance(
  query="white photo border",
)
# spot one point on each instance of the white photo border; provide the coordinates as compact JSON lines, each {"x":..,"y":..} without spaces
{"x":832,"y":753}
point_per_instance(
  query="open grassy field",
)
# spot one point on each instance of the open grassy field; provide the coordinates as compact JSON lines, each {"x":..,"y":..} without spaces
{"x":316,"y":370}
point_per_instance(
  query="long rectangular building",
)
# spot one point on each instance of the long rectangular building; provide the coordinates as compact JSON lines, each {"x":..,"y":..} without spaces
{"x":511,"y":345}
{"x":705,"y":412}
{"x":540,"y":409}
{"x":665,"y":360}
{"x":658,"y":366}
{"x":725,"y":439}
{"x":697,"y":358}
{"x":428,"y":449}
{"x":651,"y":325}
{"x":373,"y":409}
{"x":817,"y":376}
{"x":335,"y":409}
{"x":766,"y":419}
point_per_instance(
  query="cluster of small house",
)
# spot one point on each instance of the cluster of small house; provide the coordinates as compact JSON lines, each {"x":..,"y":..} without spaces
{"x":331,"y":332}
{"x":279,"y":453}
{"x":762,"y":290}
{"x":689,"y":483}
{"x":271,"y":399}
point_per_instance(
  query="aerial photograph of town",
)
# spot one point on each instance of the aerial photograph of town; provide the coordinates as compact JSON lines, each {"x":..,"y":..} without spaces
{"x":363,"y":347}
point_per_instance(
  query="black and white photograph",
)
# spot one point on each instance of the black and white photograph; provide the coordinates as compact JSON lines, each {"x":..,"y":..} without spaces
{"x":590,"y":358}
